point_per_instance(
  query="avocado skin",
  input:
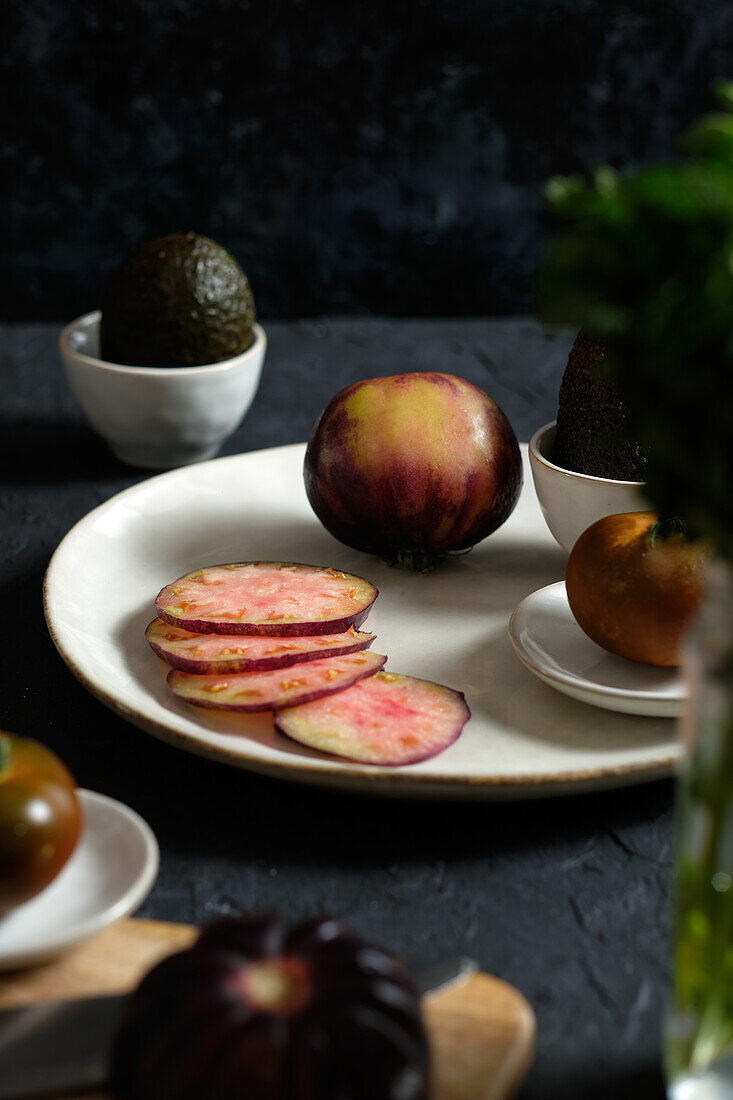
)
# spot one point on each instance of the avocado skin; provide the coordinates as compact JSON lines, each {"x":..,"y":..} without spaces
{"x":176,"y":301}
{"x":592,"y":420}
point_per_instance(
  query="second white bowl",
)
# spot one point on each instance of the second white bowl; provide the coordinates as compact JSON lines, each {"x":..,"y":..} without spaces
{"x":571,"y":502}
{"x":156,"y":417}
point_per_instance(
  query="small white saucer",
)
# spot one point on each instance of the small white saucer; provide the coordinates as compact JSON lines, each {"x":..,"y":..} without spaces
{"x":548,"y":640}
{"x":108,"y":876}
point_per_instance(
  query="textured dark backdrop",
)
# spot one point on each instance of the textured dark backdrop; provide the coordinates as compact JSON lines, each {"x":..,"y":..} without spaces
{"x":356,"y":157}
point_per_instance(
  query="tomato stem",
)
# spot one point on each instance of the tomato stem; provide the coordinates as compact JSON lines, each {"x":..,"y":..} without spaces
{"x":5,"y":751}
{"x":418,"y":561}
{"x":667,"y":527}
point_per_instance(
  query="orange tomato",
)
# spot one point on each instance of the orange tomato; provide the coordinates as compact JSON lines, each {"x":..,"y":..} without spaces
{"x":40,"y":818}
{"x":634,"y":592}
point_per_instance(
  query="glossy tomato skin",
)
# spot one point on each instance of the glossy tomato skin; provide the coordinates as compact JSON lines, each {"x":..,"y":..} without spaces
{"x":422,"y":461}
{"x":634,"y":596}
{"x":40,"y":818}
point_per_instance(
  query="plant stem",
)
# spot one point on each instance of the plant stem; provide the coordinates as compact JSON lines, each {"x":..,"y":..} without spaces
{"x":704,"y":939}
{"x":667,"y":527}
{"x":5,"y":752}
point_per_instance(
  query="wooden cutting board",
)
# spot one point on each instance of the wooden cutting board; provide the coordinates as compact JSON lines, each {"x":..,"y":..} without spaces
{"x":481,"y":1030}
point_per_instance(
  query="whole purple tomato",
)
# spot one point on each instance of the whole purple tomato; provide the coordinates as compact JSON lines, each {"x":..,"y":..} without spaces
{"x":256,"y":1010}
{"x":412,"y":467}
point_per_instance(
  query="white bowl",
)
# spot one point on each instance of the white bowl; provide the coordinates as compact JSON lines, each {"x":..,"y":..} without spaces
{"x":156,"y":417}
{"x":571,"y":502}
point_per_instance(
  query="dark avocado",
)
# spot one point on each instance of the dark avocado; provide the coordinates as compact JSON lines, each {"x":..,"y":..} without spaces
{"x":176,"y":301}
{"x":592,"y":420}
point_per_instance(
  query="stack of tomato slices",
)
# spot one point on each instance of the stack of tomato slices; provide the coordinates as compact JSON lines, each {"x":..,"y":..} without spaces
{"x":285,"y":637}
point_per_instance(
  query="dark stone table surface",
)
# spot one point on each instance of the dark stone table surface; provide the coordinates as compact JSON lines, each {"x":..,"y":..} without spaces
{"x":568,"y":898}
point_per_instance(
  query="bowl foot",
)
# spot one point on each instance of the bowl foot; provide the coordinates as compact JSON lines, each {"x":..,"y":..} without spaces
{"x":162,"y":458}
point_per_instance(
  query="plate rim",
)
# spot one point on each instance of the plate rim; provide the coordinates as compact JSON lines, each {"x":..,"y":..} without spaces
{"x":569,"y":679}
{"x":128,"y":902}
{"x":349,"y":776}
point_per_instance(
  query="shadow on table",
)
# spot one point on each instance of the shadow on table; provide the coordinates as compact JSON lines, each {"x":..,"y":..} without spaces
{"x":38,"y":450}
{"x":242,"y":816}
{"x":637,"y":1083}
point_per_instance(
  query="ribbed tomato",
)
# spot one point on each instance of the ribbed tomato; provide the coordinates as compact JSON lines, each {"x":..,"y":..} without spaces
{"x":412,"y":466}
{"x":257,"y":1010}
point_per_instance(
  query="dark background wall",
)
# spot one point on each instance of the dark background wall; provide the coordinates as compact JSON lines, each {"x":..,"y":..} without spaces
{"x":381,"y":156}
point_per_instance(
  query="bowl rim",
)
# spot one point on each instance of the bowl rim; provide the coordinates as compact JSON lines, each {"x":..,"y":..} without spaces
{"x":92,"y":319}
{"x":536,"y":456}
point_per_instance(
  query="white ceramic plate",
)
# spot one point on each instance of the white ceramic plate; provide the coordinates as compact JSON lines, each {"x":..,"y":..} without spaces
{"x":548,"y":640}
{"x":108,"y":876}
{"x":451,"y":626}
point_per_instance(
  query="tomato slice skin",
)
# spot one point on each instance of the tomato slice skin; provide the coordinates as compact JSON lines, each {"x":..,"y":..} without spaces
{"x":250,"y":692}
{"x":388,"y":720}
{"x":40,"y":818}
{"x":223,"y":653}
{"x":275,"y":598}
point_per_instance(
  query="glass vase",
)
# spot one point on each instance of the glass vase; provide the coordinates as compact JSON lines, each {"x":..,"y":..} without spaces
{"x":699,"y":1031}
